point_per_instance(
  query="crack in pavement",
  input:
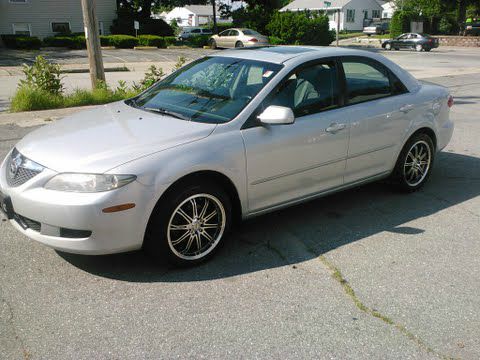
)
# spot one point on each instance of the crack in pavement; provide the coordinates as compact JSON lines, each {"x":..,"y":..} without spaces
{"x":26,"y":354}
{"x":350,"y":292}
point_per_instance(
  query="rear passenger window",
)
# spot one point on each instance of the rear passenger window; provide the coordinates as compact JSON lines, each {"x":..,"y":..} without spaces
{"x":365,"y":81}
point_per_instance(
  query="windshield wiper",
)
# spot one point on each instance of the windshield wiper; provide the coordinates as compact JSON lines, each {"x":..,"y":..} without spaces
{"x":167,"y":112}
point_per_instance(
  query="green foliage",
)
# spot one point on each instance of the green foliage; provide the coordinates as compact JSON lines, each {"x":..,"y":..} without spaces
{"x":303,"y":27}
{"x":169,"y":40}
{"x":175,"y":28}
{"x":400,"y":23}
{"x":152,"y":40}
{"x":105,"y":40}
{"x":180,"y":62}
{"x":21,"y":42}
{"x":447,"y":25}
{"x":123,"y":41}
{"x":71,"y":42}
{"x":197,"y":41}
{"x":254,"y":17}
{"x":42,"y":75}
{"x":152,"y":75}
{"x":273,"y":40}
{"x":124,"y":24}
{"x":28,"y":99}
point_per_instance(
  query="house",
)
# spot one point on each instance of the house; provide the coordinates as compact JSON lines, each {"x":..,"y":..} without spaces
{"x":388,"y":10}
{"x":194,"y":15}
{"x":354,"y":14}
{"x":44,"y":18}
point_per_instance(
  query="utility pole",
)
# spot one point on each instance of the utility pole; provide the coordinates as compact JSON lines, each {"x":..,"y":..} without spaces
{"x":214,"y":17}
{"x":92,"y":38}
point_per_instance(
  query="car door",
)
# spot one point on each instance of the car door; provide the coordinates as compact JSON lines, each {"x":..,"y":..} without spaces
{"x":377,"y":107}
{"x":232,"y":38}
{"x":221,"y":40}
{"x":401,"y":42}
{"x":289,"y":162}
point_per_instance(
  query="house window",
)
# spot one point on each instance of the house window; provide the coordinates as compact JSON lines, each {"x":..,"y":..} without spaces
{"x":350,"y":15}
{"x":385,"y":14}
{"x":21,"y":29}
{"x":61,"y":27}
{"x":375,"y":14}
{"x":327,"y":3}
{"x":18,"y":1}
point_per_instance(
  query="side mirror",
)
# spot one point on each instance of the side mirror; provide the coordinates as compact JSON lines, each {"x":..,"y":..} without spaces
{"x":277,"y":115}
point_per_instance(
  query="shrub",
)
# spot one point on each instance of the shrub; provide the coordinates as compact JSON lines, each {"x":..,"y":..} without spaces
{"x":400,"y":23}
{"x":124,"y":25}
{"x":123,"y":41}
{"x":105,"y":40}
{"x":71,"y":42}
{"x":28,"y":99}
{"x":254,"y":17}
{"x":273,"y":40}
{"x":198,"y":41}
{"x":151,"y":40}
{"x":170,"y":40}
{"x":446,"y":25}
{"x":303,"y":27}
{"x":42,"y":75}
{"x":21,"y":42}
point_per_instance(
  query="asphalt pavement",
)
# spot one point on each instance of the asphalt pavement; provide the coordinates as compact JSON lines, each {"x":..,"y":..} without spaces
{"x":366,"y":274}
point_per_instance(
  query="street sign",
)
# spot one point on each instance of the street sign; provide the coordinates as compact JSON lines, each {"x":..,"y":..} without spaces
{"x":136,"y":25}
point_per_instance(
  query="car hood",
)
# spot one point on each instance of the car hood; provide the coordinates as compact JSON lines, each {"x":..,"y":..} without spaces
{"x":105,"y":137}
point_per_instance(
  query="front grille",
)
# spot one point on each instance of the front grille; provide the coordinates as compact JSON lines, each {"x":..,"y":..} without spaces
{"x":28,"y":223}
{"x":21,"y":176}
{"x":20,"y":169}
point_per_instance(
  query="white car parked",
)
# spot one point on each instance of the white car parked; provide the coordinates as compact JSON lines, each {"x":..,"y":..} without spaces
{"x":229,"y":136}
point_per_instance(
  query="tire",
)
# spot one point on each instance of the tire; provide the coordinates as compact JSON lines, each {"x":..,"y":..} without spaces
{"x":427,"y":49}
{"x":396,"y":49}
{"x":417,"y":154}
{"x":213,"y":44}
{"x":388,"y":46}
{"x":239,"y":44}
{"x":181,"y":229}
{"x":418,"y":47}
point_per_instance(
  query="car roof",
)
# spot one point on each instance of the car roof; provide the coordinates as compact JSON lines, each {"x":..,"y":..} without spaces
{"x":280,"y":54}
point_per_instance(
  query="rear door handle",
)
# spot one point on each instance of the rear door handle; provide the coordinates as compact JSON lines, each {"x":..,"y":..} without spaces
{"x":406,"y":108}
{"x":334,"y":128}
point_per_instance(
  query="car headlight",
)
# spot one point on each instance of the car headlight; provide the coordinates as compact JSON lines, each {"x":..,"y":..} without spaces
{"x":88,"y":183}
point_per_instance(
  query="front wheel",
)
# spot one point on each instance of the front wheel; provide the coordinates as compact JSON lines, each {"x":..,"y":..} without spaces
{"x":414,"y":163}
{"x":189,"y":225}
{"x":427,"y":49}
{"x":388,"y":47}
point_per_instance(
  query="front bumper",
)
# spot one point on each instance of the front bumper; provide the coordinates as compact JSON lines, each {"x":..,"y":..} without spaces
{"x":74,"y":222}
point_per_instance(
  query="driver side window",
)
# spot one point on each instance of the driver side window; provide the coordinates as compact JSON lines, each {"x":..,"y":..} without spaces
{"x":309,"y":90}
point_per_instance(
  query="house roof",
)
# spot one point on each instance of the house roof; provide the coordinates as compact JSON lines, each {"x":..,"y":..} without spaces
{"x":315,"y":5}
{"x":206,"y":10}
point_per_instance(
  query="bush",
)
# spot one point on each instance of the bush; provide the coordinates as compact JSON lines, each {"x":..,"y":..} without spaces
{"x":21,"y":42}
{"x":151,"y":40}
{"x":254,"y":17}
{"x":198,"y":41}
{"x":446,"y":25}
{"x":123,"y":41}
{"x":43,"y":76}
{"x":170,"y":40}
{"x":303,"y":27}
{"x":400,"y":23}
{"x":124,"y":25}
{"x":273,"y":40}
{"x":105,"y":40}
{"x":71,"y":42}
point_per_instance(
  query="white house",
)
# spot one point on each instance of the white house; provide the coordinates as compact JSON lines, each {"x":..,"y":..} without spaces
{"x":353,"y":13}
{"x":48,"y":17}
{"x":193,"y":15}
{"x":388,"y":10}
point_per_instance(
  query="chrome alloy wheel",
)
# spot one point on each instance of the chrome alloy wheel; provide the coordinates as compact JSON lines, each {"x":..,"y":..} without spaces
{"x":196,"y":226}
{"x":417,"y":163}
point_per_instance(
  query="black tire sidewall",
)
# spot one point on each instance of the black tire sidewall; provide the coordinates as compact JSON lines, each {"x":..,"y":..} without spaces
{"x":156,"y":240}
{"x":398,"y":173}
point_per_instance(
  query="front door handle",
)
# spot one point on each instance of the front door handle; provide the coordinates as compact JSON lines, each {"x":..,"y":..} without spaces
{"x":406,"y":108}
{"x":334,"y":128}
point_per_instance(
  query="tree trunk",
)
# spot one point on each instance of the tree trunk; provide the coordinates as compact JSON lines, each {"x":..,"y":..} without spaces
{"x":462,"y":11}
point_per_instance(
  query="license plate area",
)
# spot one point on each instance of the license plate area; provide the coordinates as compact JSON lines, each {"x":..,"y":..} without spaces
{"x":6,"y":207}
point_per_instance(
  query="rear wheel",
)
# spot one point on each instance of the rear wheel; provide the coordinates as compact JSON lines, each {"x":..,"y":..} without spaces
{"x":189,"y":225}
{"x":427,"y":49}
{"x":213,"y":44}
{"x":414,"y":164}
{"x":239,"y":44}
{"x":418,"y":47}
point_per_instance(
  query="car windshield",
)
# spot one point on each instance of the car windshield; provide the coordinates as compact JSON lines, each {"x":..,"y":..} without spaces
{"x":210,"y":90}
{"x":250,"y":32}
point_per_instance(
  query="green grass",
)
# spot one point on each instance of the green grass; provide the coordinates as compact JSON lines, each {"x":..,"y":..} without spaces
{"x":350,"y":35}
{"x":28,"y":99}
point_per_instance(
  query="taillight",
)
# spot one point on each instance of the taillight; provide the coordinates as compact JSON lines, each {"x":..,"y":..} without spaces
{"x":253,"y":40}
{"x":450,"y":101}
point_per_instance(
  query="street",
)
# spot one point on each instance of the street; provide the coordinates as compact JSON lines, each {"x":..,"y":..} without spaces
{"x":367,"y":273}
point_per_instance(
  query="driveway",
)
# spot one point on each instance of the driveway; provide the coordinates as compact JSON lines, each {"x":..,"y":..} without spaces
{"x":368,"y":273}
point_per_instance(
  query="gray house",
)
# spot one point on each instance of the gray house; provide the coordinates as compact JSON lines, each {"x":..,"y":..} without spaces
{"x":47,"y":17}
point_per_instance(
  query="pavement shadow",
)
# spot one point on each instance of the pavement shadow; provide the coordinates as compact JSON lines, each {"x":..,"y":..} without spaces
{"x":304,"y":232}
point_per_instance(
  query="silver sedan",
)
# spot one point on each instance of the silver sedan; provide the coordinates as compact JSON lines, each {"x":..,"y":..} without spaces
{"x":229,"y":136}
{"x":237,"y":38}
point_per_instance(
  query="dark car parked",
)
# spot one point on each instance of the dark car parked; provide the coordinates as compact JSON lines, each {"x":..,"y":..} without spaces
{"x":415,"y":41}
